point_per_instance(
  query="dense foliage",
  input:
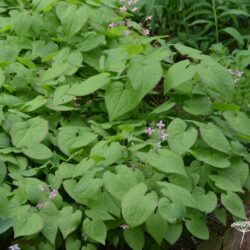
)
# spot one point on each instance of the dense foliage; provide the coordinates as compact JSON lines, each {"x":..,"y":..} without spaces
{"x":200,"y":23}
{"x":114,"y":139}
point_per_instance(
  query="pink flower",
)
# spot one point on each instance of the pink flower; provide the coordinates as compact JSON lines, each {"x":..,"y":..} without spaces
{"x":160,"y":124}
{"x":53,"y":193}
{"x":112,"y":25}
{"x":164,"y":135}
{"x":134,"y":9}
{"x":124,"y":226}
{"x":123,"y":9}
{"x":41,"y":188}
{"x":126,"y":32}
{"x":41,"y":205}
{"x":149,"y":131}
{"x":146,"y":32}
{"x":131,"y":2}
{"x":149,"y":18}
{"x":239,"y":73}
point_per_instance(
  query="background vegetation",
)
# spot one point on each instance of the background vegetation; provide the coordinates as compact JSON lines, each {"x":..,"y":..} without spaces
{"x":123,"y":124}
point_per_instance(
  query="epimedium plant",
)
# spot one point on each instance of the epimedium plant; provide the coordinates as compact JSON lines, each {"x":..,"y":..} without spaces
{"x":110,"y":137}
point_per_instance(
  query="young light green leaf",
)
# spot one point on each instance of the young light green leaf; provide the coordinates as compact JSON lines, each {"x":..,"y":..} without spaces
{"x":238,"y":121}
{"x":34,"y":104}
{"x":90,"y":85}
{"x":120,"y":100}
{"x":234,"y":204}
{"x":215,"y":138}
{"x":180,"y":139}
{"x":69,"y":220}
{"x":216,"y":79}
{"x":157,"y":227}
{"x":178,"y":194}
{"x":73,"y":137}
{"x":212,"y":157}
{"x":173,"y":232}
{"x":134,"y":238}
{"x":166,"y":161}
{"x":29,"y":132}
{"x":27,"y":225}
{"x":173,"y":76}
{"x":136,"y":206}
{"x":198,"y":228}
{"x":37,"y":151}
{"x":95,"y":229}
{"x":205,"y":202}
{"x":164,"y":107}
{"x":171,"y":211}
{"x":118,"y":185}
{"x":144,"y":74}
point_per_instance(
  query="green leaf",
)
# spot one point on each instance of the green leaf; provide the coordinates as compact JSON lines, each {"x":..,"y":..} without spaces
{"x":136,"y":206}
{"x":2,"y":77}
{"x":157,"y":227}
{"x":205,"y":202}
{"x":216,"y":80}
{"x":198,"y":106}
{"x":144,"y":74}
{"x":27,"y":225}
{"x":185,"y":50}
{"x":238,"y":121}
{"x":72,"y":18}
{"x":68,"y":220}
{"x":225,"y":106}
{"x":181,"y":140}
{"x":134,"y":238}
{"x":73,"y":137}
{"x":107,"y":153}
{"x":178,"y":194}
{"x":119,"y":99}
{"x":5,"y":224}
{"x":198,"y":228}
{"x":212,"y":157}
{"x":171,"y":211}
{"x":95,"y":229}
{"x":118,"y":185}
{"x":164,"y":107}
{"x":29,"y":132}
{"x":50,"y":215}
{"x":233,"y":203}
{"x":235,"y":34}
{"x":215,"y":138}
{"x":166,"y":161}
{"x":37,"y":151}
{"x":228,"y":184}
{"x":61,"y":95}
{"x":90,"y":85}
{"x":34,"y":104}
{"x":173,"y":232}
{"x":173,"y":77}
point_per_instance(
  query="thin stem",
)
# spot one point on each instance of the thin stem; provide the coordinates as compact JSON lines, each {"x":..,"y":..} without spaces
{"x":215,"y":22}
{"x":242,"y":239}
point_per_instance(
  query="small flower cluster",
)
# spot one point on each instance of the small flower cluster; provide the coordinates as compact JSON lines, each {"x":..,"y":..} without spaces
{"x":160,"y":132}
{"x":241,"y":226}
{"x":52,"y":194}
{"x":14,"y":247}
{"x":129,"y":5}
{"x":124,"y":226}
{"x":237,"y":74}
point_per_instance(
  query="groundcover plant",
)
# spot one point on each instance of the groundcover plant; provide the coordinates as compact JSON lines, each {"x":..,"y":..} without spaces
{"x":111,"y":138}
